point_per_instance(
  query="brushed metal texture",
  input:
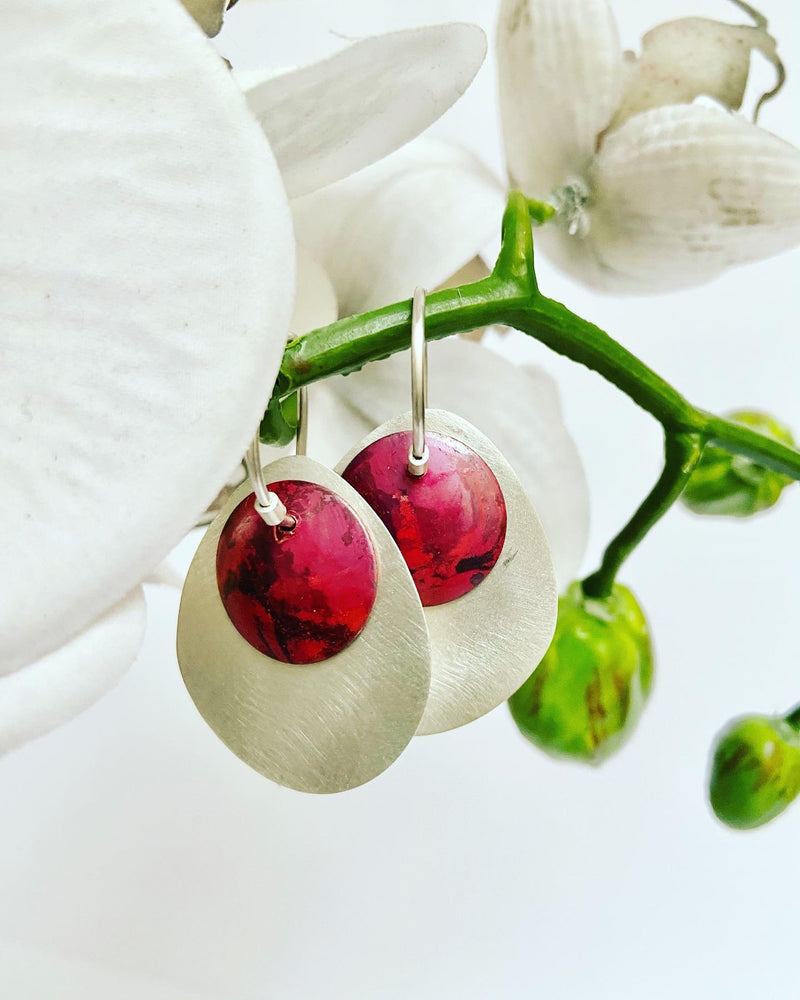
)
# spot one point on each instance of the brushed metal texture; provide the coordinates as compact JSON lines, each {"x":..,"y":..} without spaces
{"x":486,"y":643}
{"x":322,"y":727}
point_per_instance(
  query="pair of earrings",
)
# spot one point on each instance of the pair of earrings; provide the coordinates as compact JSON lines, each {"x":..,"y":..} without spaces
{"x":330,"y":616}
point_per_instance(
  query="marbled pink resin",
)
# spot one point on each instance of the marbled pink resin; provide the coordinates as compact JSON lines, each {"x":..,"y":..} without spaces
{"x":449,"y":524}
{"x":299,"y":596}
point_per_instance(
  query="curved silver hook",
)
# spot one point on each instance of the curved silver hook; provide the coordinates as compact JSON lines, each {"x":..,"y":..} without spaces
{"x":418,"y":456}
{"x":301,"y":441}
{"x":268,"y":504}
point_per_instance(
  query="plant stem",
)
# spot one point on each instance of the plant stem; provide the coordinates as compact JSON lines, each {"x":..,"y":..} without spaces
{"x":681,"y":454}
{"x":510,"y":296}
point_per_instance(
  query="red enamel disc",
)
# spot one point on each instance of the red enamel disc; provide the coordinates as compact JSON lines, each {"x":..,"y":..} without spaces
{"x":449,"y":524}
{"x":299,"y":596}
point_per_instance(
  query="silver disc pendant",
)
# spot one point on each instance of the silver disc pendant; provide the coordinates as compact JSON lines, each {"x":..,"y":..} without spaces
{"x":478,"y":554}
{"x":305,"y":719}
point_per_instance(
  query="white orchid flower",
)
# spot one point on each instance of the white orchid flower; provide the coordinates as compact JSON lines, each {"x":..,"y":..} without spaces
{"x":147,"y":279}
{"x":653,"y":193}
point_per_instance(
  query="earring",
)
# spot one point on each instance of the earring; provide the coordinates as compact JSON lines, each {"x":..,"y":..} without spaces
{"x":301,"y":637}
{"x":472,"y":541}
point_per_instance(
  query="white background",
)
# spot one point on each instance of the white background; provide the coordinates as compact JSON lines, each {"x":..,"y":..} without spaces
{"x":475,"y":868}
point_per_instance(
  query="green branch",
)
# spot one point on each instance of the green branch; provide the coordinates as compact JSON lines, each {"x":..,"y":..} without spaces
{"x":681,"y":454}
{"x":510,"y":297}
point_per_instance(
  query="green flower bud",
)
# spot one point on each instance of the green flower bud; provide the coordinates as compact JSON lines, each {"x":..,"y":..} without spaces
{"x":732,"y":485}
{"x":279,"y":423}
{"x":584,"y":698}
{"x":755,"y":770}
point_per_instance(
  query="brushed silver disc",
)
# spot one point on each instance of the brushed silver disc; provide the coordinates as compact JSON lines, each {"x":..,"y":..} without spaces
{"x":322,"y":727}
{"x":486,"y":643}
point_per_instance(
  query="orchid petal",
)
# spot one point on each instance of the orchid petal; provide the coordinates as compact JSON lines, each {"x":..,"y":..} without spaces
{"x":560,"y":73}
{"x":315,"y":301}
{"x":327,"y":120}
{"x":165,"y":575}
{"x":146,"y":283}
{"x":693,"y":56}
{"x":49,"y":692}
{"x":413,"y":219}
{"x":681,"y":193}
{"x":517,"y":409}
{"x":31,"y":973}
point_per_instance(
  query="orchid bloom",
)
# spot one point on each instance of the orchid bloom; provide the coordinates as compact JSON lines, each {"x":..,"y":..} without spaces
{"x":147,"y":283}
{"x":652,"y":191}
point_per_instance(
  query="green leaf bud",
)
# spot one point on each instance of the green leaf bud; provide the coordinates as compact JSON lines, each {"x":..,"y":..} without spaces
{"x":755,"y":770}
{"x":732,"y":485}
{"x":584,"y":698}
{"x":279,"y":423}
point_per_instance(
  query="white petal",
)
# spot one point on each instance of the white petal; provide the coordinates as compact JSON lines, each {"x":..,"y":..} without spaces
{"x":692,"y":56}
{"x":333,"y":423}
{"x":413,"y":219}
{"x":329,"y":119}
{"x":518,"y":410}
{"x":49,"y":692}
{"x":315,"y":300}
{"x":560,"y":73}
{"x":165,"y":575}
{"x":36,"y":974}
{"x":146,"y":276}
{"x":681,"y":193}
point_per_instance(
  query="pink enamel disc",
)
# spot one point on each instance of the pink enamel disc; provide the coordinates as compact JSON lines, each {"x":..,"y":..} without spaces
{"x":300,"y":596}
{"x":449,"y":524}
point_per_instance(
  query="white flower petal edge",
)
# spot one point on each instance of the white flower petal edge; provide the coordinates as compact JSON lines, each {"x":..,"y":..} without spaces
{"x":52,"y":690}
{"x":315,"y":303}
{"x":413,"y":219}
{"x":560,"y":74}
{"x":683,"y":192}
{"x":327,"y":120}
{"x":146,"y":281}
{"x":517,"y":409}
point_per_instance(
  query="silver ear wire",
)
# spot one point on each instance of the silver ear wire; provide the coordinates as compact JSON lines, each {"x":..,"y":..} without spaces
{"x":268,"y":504}
{"x":301,"y":441}
{"x":418,"y":456}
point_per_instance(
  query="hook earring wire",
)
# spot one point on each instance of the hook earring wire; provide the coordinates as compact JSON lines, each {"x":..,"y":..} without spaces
{"x":301,"y":441}
{"x":269,"y":505}
{"x":418,"y":456}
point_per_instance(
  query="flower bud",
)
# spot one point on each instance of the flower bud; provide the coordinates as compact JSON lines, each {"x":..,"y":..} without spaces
{"x":732,"y":485}
{"x":584,"y":698}
{"x":755,"y":770}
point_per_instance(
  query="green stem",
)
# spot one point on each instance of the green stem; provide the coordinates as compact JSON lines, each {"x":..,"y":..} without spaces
{"x":510,"y":297}
{"x":681,"y":454}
